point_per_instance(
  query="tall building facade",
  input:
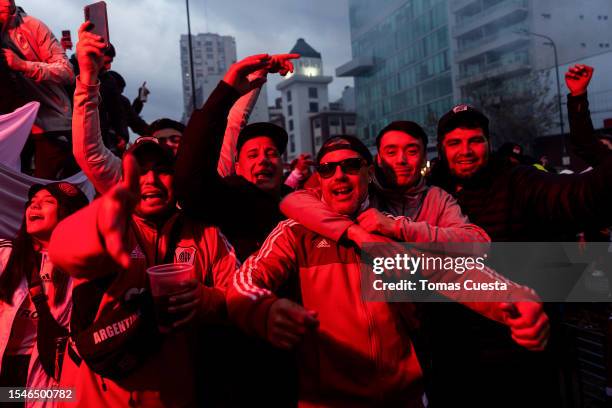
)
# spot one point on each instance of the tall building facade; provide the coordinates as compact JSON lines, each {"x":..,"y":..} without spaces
{"x":401,"y":62}
{"x":414,"y":59}
{"x":303,"y":94}
{"x":495,"y":38}
{"x":212,"y":56}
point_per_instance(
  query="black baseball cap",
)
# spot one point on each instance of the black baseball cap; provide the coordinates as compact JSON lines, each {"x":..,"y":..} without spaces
{"x":411,"y":128}
{"x":344,"y":143}
{"x":462,"y":116}
{"x":147,"y":144}
{"x":68,"y":196}
{"x":274,"y":132}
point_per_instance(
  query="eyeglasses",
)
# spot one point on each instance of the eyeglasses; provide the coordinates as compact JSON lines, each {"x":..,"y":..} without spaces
{"x":348,"y":166}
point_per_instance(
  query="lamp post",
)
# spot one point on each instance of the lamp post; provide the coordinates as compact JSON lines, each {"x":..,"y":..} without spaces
{"x":564,"y":157}
{"x":193,"y":90}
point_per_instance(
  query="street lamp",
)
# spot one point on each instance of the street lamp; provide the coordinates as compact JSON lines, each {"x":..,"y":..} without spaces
{"x":193,"y":91}
{"x":564,"y":156}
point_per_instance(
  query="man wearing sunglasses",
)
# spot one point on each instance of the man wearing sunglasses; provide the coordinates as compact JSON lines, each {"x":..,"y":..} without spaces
{"x":422,"y":213}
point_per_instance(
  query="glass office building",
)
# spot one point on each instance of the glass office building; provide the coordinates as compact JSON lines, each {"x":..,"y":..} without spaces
{"x":401,"y":63}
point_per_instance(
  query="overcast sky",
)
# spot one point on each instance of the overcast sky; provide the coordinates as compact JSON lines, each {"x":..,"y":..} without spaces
{"x":146,"y":35}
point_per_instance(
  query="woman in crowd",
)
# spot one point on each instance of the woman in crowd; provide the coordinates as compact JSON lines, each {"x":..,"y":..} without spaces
{"x":35,"y":297}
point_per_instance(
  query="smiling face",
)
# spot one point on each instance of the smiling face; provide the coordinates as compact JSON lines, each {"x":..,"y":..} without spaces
{"x":260,"y":163}
{"x":400,"y":157}
{"x":466,"y":150}
{"x":156,"y":188}
{"x":345,"y":192}
{"x":42,"y":215}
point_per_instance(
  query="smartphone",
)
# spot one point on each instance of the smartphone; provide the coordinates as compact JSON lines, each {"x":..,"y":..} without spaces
{"x":66,"y":40}
{"x":96,"y":13}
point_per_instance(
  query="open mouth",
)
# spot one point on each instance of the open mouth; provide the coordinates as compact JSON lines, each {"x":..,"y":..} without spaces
{"x":35,"y":217}
{"x":342,"y":192}
{"x":152,"y":196}
{"x":263,"y":175}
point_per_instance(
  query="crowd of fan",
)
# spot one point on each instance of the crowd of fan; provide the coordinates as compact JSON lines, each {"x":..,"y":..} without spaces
{"x":273,"y":315}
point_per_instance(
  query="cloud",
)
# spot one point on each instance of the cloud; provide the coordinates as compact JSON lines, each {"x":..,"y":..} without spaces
{"x":146,"y":35}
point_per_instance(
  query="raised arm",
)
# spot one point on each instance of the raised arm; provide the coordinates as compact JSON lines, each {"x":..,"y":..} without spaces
{"x":196,"y":178}
{"x":93,"y":241}
{"x":236,"y":120}
{"x":582,"y":135}
{"x":98,"y":163}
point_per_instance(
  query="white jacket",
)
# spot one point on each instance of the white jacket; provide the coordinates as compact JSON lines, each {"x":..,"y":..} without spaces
{"x":37,"y":378}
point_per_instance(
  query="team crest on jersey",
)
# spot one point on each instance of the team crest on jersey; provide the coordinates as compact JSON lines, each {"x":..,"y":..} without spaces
{"x":185,"y":255}
{"x":137,"y":253}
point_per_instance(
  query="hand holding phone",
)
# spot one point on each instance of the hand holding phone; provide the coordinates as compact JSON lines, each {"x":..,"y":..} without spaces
{"x":96,"y":13}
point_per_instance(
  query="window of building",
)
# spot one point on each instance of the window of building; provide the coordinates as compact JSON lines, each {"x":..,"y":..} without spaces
{"x":546,"y":15}
{"x":209,"y":56}
{"x":313,"y":107}
{"x":289,"y":110}
{"x":290,"y":124}
{"x":582,"y":17}
{"x":317,"y":124}
{"x":334,"y":121}
{"x":291,"y":143}
{"x":313,"y":93}
{"x":288,"y":96}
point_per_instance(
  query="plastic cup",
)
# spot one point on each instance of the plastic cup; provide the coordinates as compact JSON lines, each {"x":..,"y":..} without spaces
{"x":165,"y":281}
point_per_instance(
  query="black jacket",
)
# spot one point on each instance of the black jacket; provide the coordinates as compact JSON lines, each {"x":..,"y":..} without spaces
{"x":513,"y":204}
{"x":245,"y":213}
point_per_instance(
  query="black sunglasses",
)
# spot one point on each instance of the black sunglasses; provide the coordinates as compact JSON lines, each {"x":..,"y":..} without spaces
{"x":348,"y":166}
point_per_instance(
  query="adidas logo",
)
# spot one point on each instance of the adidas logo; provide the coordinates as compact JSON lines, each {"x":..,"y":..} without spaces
{"x":323,"y":244}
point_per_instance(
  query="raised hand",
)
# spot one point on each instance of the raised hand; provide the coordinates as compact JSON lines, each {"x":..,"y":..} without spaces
{"x":239,"y":74}
{"x":90,"y":54}
{"x":115,"y":210}
{"x":577,"y":78}
{"x":282,"y":64}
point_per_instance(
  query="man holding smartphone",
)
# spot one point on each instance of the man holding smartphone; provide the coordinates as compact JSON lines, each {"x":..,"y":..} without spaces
{"x":39,"y":69}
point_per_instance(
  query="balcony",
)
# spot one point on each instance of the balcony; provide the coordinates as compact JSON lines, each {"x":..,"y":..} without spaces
{"x":508,"y":8}
{"x":503,"y":39}
{"x":496,"y":69}
{"x":359,"y":66}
